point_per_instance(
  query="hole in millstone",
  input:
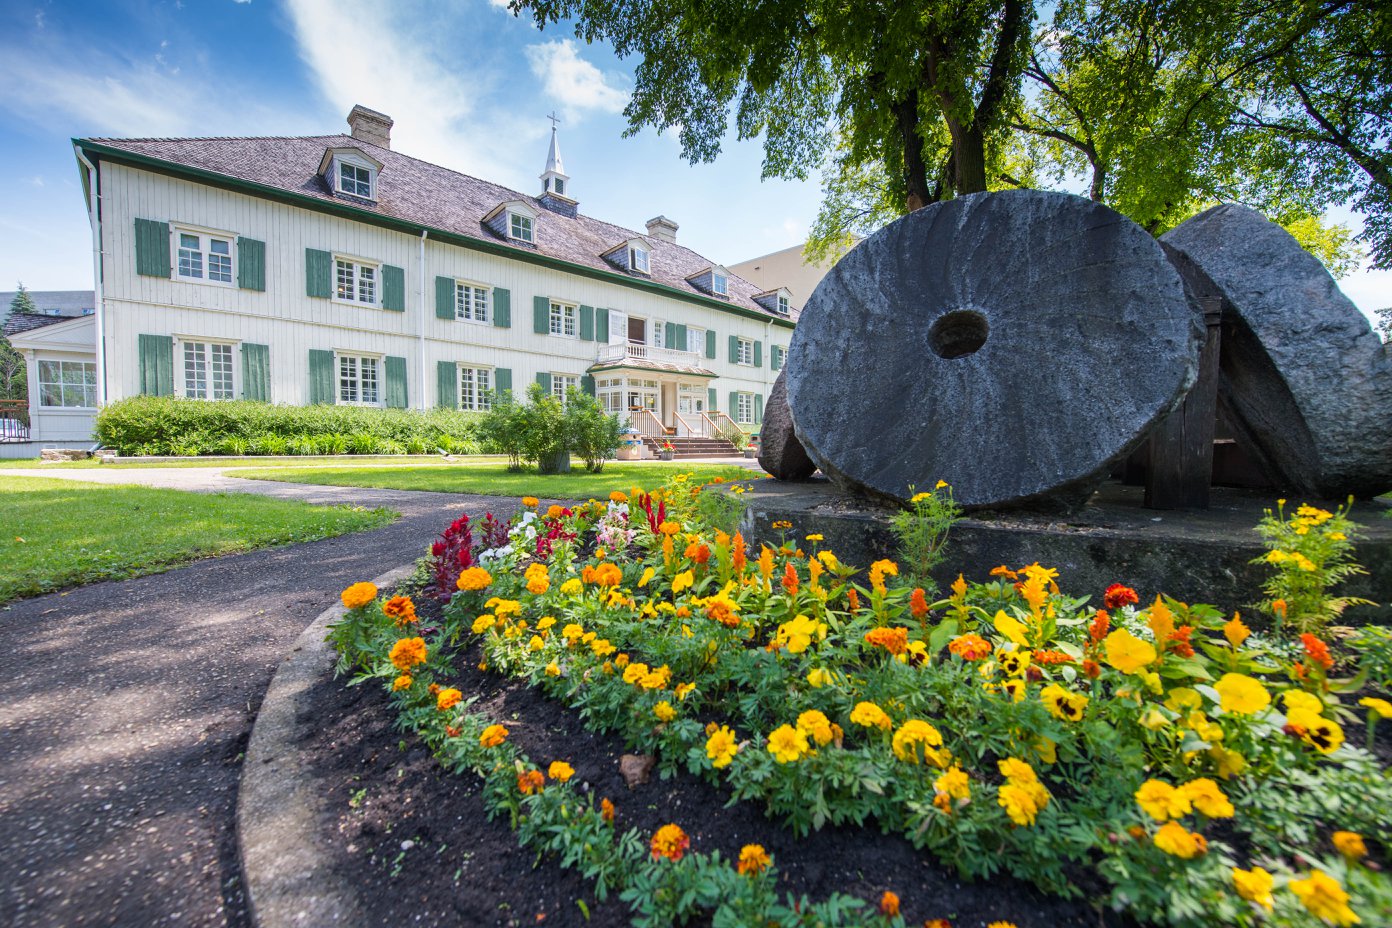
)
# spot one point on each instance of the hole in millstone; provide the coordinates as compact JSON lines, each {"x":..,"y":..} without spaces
{"x":958,"y":334}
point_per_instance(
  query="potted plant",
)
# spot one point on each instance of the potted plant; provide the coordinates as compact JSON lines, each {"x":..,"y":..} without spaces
{"x":752,"y":448}
{"x":665,"y":450}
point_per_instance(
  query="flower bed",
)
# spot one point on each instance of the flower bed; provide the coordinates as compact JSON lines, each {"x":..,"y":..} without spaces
{"x":1187,"y":770}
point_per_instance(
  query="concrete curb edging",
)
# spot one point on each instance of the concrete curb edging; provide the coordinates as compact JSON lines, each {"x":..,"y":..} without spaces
{"x":279,"y":808}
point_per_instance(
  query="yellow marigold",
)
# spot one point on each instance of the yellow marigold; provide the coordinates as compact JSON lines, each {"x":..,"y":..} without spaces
{"x":1236,"y":633}
{"x":818,"y":678}
{"x":635,"y":672}
{"x":358,"y":595}
{"x":553,"y":669}
{"x":669,"y":528}
{"x":1322,"y":895}
{"x":1002,"y":925}
{"x":664,"y":711}
{"x":1379,"y":707}
{"x":915,"y":740}
{"x":721,"y":747}
{"x":753,"y":860}
{"x":871,"y":716}
{"x":1207,"y":798}
{"x":538,"y":581}
{"x":1241,"y":694}
{"x":483,"y":623}
{"x":531,"y":502}
{"x":787,"y":744}
{"x":669,"y":842}
{"x":572,"y":587}
{"x":601,"y":647}
{"x":407,"y":653}
{"x":954,"y":783}
{"x":1161,"y":801}
{"x":560,"y":771}
{"x":1350,"y":844}
{"x":656,"y":679}
{"x":618,"y":496}
{"x":536,"y":643}
{"x":1016,"y":770}
{"x":684,"y":690}
{"x":1228,"y":763}
{"x":1062,"y":704}
{"x":402,"y":682}
{"x":1128,"y":653}
{"x":1174,"y":839}
{"x":448,"y":698}
{"x":1254,"y":885}
{"x":878,"y":571}
{"x":493,"y":736}
{"x":721,"y":608}
{"x":572,"y":632}
{"x":816,"y":725}
{"x":1019,"y":803}
{"x":474,"y":578}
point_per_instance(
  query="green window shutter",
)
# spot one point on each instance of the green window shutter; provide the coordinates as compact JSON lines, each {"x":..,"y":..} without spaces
{"x":587,"y":384}
{"x":679,"y":339}
{"x":758,"y":353}
{"x":775,"y":357}
{"x":734,"y":403}
{"x":502,"y":308}
{"x":251,"y":264}
{"x":447,"y":383}
{"x":670,"y":336}
{"x":256,"y":372}
{"x":710,"y":343}
{"x":544,"y":379}
{"x":318,"y":269}
{"x":156,"y":365}
{"x":502,"y":380}
{"x":601,"y":333}
{"x":758,"y":409}
{"x":393,"y":288}
{"x":710,"y":398}
{"x":151,"y":248}
{"x":541,"y":315}
{"x":321,"y":376}
{"x":396,"y":383}
{"x":587,"y":323}
{"x":444,"y":297}
{"x":734,"y":349}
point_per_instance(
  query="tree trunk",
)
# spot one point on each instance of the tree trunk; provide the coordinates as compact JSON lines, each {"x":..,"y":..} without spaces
{"x":915,"y":170}
{"x":969,"y":153}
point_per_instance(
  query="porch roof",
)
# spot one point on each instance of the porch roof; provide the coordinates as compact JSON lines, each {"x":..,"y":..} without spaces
{"x":651,"y":367}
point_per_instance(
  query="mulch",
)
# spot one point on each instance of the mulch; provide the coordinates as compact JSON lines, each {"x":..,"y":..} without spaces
{"x":416,"y":841}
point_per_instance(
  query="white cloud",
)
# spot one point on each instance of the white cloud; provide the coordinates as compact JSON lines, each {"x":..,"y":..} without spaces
{"x":500,"y":4}
{"x":572,"y":80}
{"x":36,"y":181}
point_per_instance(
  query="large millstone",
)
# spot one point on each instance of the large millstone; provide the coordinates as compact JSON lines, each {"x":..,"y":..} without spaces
{"x":780,"y":453}
{"x":1014,"y":344}
{"x":1304,"y":379}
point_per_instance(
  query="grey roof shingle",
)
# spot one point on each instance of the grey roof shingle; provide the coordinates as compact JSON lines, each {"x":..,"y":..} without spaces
{"x":24,"y":322}
{"x":418,"y":192}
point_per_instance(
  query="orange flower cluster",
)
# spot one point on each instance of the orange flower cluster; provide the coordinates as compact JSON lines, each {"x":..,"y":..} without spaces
{"x":407,"y":653}
{"x":852,"y":601}
{"x":894,"y":640}
{"x":738,"y":558}
{"x":1101,"y":624}
{"x":753,"y":860}
{"x":531,"y":781}
{"x":918,"y":603}
{"x":473,"y":578}
{"x":970,"y":647}
{"x":401,"y":609}
{"x":790,"y":579}
{"x":448,"y":699}
{"x":1317,"y":650}
{"x":698,"y":552}
{"x":358,"y":595}
{"x":1118,"y":596}
{"x":603,"y":575}
{"x":1048,"y":657}
{"x":670,"y":842}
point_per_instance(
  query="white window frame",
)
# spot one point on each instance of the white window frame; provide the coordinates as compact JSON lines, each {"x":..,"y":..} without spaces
{"x":744,"y":408}
{"x":695,"y":337}
{"x":358,"y":265}
{"x":340,"y":163}
{"x":657,"y":333}
{"x":480,"y":383}
{"x":63,"y":387}
{"x":784,"y":305}
{"x":720,"y":284}
{"x":639,"y":259}
{"x":559,"y":383}
{"x":744,"y":348}
{"x":182,"y":343}
{"x":379,"y":376}
{"x":206,"y":254}
{"x":564,"y":320}
{"x":515,"y":220}
{"x":473,"y":302}
{"x":558,"y":186}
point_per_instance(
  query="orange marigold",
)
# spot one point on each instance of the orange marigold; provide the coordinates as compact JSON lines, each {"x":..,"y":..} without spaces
{"x":608,"y":575}
{"x":531,"y":781}
{"x":894,"y":640}
{"x":493,"y":736}
{"x":606,"y":810}
{"x":358,"y":595}
{"x":670,"y":842}
{"x":889,"y":904}
{"x":1118,"y":596}
{"x":1317,"y":650}
{"x":401,"y":609}
{"x":753,"y":860}
{"x":448,"y":699}
{"x":970,"y":647}
{"x":407,"y":653}
{"x":473,"y":578}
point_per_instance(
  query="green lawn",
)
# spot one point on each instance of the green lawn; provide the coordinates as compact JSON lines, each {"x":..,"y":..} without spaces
{"x":61,"y":533}
{"x":343,"y":460}
{"x":496,"y":480}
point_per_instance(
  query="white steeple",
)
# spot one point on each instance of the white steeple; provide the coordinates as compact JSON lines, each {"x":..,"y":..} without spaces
{"x":554,"y":178}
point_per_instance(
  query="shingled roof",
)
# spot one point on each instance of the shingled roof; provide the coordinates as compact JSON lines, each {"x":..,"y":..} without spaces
{"x":418,"y":192}
{"x":24,"y":322}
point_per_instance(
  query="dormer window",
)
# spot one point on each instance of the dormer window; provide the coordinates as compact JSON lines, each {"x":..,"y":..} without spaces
{"x":638,"y":258}
{"x":783,"y":305}
{"x":350,"y":172}
{"x":355,"y":180}
{"x":720,"y":285}
{"x":513,"y":221}
{"x":520,"y":227}
{"x":778,"y":301}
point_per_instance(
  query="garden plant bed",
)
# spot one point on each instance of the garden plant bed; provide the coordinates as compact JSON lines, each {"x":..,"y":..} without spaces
{"x":463,"y":869}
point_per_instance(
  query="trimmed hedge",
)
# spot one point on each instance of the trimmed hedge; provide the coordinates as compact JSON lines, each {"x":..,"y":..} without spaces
{"x":172,"y":426}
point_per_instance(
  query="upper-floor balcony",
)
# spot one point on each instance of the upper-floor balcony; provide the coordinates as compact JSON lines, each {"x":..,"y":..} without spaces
{"x":627,"y":351}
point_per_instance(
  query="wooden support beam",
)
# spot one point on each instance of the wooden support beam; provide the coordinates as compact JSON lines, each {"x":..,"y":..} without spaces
{"x":1181,"y":446}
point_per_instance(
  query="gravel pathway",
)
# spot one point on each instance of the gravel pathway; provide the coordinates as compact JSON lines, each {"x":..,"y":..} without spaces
{"x":125,"y":708}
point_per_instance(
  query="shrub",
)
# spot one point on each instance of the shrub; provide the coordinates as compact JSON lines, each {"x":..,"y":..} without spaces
{"x":543,"y":429}
{"x":594,"y":434}
{"x":165,"y":425}
{"x":501,"y":428}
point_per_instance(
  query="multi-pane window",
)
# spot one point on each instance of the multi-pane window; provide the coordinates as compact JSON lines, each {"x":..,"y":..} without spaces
{"x":783,"y":305}
{"x":471,"y":302}
{"x":208,"y":371}
{"x":744,"y":408}
{"x":563,"y":320}
{"x":695,"y":340}
{"x":638,"y":258}
{"x":356,"y":282}
{"x":474,"y":386}
{"x":559,"y":384}
{"x":720,"y":284}
{"x":358,"y":382}
{"x":520,"y":227}
{"x":355,"y":180}
{"x":659,"y":333}
{"x":204,"y":257}
{"x":68,"y":383}
{"x":744,"y":353}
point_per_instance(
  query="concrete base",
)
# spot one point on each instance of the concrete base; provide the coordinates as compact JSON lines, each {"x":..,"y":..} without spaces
{"x":1194,"y":556}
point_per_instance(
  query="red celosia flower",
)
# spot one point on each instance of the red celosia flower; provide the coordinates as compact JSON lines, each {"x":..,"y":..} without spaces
{"x":1101,"y":624}
{"x":790,"y":580}
{"x":1317,"y":650}
{"x":918,"y":603}
{"x":1118,"y":596}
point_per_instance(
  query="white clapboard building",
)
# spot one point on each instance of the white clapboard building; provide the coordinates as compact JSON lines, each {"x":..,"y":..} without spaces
{"x":332,"y":269}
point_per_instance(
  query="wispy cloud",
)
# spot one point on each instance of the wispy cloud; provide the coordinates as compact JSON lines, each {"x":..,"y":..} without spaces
{"x":571,"y":80}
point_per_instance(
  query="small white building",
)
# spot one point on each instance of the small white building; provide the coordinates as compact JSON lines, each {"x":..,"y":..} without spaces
{"x":333,"y":269}
{"x":60,"y":363}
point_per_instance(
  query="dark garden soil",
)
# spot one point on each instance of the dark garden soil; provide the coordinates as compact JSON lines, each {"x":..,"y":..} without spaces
{"x":415,"y":841}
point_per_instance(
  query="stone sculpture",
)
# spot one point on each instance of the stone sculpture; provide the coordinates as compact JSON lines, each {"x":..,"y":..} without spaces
{"x":780,"y":453}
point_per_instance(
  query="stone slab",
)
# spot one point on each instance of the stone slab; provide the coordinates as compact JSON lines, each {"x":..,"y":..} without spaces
{"x":1015,"y":344}
{"x":1303,"y":375}
{"x":780,"y":452}
{"x":1195,"y":556}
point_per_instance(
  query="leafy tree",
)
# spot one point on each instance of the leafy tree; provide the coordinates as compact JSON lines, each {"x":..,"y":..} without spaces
{"x":1335,"y":245}
{"x":543,"y":426}
{"x":13,"y":374}
{"x":501,"y":428}
{"x":23,"y":303}
{"x":593,"y":433}
{"x":1384,"y":323}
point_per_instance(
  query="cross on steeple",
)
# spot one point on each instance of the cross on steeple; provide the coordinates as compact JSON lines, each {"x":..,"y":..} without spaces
{"x":554,"y":120}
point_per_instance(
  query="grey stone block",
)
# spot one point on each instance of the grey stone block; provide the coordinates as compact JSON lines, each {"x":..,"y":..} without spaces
{"x":780,"y":453}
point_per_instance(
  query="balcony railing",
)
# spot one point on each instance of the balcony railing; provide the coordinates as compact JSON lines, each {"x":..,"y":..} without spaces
{"x":625,"y":351}
{"x":14,"y":420}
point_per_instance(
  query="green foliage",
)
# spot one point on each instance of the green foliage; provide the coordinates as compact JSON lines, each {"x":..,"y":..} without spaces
{"x":543,"y":426}
{"x":1333,"y":244}
{"x":1310,"y":552}
{"x":593,"y":434}
{"x":502,"y":428}
{"x":171,"y":425}
{"x":922,"y":531}
{"x":23,"y":303}
{"x":543,"y":429}
{"x":1374,"y":646}
{"x":14,"y":375}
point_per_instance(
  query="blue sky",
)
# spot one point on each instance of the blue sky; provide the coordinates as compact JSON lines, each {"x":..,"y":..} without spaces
{"x":468,"y":85}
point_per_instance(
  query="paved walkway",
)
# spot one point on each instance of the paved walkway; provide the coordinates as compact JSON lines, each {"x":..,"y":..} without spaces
{"x":125,"y":708}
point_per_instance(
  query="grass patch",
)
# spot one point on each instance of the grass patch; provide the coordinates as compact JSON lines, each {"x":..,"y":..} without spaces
{"x":343,"y":460}
{"x":61,"y":533}
{"x":496,"y":480}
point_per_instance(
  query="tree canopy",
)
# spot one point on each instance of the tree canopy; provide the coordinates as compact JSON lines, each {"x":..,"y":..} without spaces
{"x":23,"y":302}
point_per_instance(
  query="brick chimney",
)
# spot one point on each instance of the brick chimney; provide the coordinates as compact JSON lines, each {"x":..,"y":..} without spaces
{"x":370,"y":126}
{"x":663,"y":229}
